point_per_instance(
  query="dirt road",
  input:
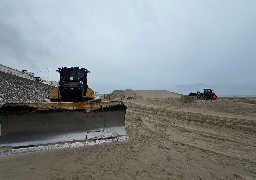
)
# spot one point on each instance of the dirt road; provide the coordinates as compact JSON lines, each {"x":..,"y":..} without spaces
{"x":170,"y":137}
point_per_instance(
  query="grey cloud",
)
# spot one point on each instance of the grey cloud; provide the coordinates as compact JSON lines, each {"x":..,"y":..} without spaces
{"x":14,"y":45}
{"x":135,"y":44}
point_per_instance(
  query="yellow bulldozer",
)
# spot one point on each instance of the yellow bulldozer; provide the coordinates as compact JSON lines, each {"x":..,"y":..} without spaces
{"x":72,"y":116}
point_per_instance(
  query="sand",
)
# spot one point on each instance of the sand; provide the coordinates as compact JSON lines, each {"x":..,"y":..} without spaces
{"x":170,"y":137}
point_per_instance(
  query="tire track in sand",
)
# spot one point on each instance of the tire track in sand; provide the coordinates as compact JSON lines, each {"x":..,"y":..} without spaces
{"x":177,"y":127}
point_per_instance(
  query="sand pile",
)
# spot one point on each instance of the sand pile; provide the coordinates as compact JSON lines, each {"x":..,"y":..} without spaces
{"x":142,"y":94}
{"x":188,"y":99}
{"x":123,"y":95}
{"x":156,"y":94}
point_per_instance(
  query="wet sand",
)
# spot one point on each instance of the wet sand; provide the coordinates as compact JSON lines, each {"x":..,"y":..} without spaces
{"x":170,"y":137}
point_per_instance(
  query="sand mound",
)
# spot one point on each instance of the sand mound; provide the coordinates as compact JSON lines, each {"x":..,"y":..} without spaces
{"x":143,"y":94}
{"x":187,"y":99}
{"x":156,"y":94}
{"x":123,"y":94}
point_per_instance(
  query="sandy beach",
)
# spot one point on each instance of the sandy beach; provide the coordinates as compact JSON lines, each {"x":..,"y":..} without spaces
{"x":171,"y":136}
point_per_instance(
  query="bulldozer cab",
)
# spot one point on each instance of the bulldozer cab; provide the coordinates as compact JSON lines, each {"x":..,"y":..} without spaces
{"x":73,"y":84}
{"x":207,"y":92}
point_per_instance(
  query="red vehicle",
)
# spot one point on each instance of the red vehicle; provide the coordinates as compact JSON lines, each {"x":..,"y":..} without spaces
{"x":207,"y":94}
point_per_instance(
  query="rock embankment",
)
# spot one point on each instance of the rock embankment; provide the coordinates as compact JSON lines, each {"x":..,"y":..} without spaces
{"x":16,"y":89}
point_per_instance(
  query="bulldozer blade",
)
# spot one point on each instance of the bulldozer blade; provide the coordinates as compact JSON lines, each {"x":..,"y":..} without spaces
{"x":49,"y":125}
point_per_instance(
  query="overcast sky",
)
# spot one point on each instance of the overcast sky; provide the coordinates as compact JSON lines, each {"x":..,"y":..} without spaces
{"x":178,"y":45}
